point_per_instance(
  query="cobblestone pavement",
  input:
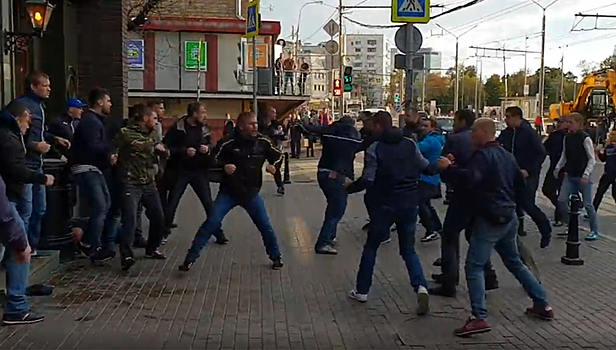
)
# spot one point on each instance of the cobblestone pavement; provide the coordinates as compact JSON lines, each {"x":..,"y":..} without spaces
{"x":231,"y":299}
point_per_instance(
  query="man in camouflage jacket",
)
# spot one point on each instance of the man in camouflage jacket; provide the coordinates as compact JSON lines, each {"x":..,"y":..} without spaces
{"x":136,"y":146}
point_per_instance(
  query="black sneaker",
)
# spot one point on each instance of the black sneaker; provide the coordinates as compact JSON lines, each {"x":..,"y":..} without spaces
{"x":27,"y":318}
{"x":186,"y":265}
{"x":280,"y":191}
{"x":155,"y":255}
{"x":101,"y":255}
{"x":558,"y":224}
{"x":438,"y":262}
{"x":277,"y":264}
{"x":127,"y":263}
{"x":174,"y":225}
{"x":430,"y":236}
{"x":139,"y":242}
{"x":222,"y":240}
{"x":442,"y":292}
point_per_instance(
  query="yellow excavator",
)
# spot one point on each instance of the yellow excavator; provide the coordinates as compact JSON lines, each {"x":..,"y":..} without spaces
{"x":595,"y":99}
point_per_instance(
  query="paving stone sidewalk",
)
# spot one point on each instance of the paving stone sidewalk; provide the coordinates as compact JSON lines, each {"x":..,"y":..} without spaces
{"x":233,"y":300}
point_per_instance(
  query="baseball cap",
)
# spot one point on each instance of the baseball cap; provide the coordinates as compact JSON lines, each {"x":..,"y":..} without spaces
{"x":75,"y":103}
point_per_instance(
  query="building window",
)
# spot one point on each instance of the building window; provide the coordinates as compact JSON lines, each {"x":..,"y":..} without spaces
{"x":314,"y":88}
{"x":357,"y":64}
{"x":370,"y":65}
{"x":372,"y":49}
{"x":372,"y":42}
{"x":358,"y":49}
{"x":371,"y":57}
{"x":358,"y":43}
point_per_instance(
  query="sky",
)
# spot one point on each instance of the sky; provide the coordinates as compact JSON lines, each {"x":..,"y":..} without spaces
{"x":499,"y":22}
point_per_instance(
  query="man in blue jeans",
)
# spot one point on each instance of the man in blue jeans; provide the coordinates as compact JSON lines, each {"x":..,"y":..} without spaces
{"x":17,"y":262}
{"x":242,"y":159}
{"x":37,"y":142}
{"x":392,"y":168}
{"x":93,"y":159}
{"x":341,"y":141}
{"x":497,"y":184}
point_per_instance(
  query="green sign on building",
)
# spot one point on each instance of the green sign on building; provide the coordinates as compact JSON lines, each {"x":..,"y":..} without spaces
{"x":195,"y":57}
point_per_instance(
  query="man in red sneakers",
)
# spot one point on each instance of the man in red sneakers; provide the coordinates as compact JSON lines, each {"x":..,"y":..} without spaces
{"x":497,"y":182}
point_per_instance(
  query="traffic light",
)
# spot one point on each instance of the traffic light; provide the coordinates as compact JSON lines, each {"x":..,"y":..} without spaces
{"x":397,"y":98}
{"x":348,"y":79}
{"x":337,"y":88}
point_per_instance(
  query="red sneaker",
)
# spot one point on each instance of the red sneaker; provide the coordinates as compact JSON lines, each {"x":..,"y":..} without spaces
{"x":544,"y":313}
{"x":473,"y":326}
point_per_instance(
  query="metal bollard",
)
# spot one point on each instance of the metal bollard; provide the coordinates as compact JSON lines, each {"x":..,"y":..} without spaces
{"x":572,"y":254}
{"x":287,"y":171}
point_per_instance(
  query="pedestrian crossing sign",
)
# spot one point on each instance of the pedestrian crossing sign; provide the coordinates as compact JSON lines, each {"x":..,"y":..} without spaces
{"x":410,"y":11}
{"x":253,"y":19}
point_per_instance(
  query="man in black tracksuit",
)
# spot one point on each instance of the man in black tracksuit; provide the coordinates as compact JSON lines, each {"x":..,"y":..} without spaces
{"x":523,"y":142}
{"x":459,"y":149}
{"x":551,"y":185}
{"x":341,"y":141}
{"x":190,"y":144}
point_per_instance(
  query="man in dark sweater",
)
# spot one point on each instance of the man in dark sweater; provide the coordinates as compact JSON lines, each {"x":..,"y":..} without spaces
{"x":607,"y":155}
{"x":551,"y":185}
{"x":496,"y":182}
{"x":190,"y":144}
{"x":271,"y":129}
{"x":93,"y":158}
{"x":577,"y":162}
{"x":242,"y":159}
{"x":523,"y":142}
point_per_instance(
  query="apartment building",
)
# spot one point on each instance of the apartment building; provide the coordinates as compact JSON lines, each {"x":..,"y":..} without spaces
{"x":370,"y":56}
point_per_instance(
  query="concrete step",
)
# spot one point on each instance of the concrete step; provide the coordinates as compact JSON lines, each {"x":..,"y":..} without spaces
{"x":41,"y":269}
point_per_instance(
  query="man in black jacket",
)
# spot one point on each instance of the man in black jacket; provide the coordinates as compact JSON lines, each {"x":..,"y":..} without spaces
{"x":93,"y":158}
{"x":242,"y":159}
{"x":523,"y":142}
{"x":496,"y":182}
{"x":551,"y":185}
{"x":391,"y":173}
{"x":341,"y":141}
{"x":66,"y":124}
{"x":190,"y":144}
{"x":459,"y":149}
{"x":270,"y":128}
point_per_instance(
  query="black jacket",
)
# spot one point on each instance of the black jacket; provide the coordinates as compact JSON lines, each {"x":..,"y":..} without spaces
{"x":494,"y":178}
{"x":64,"y":127}
{"x":526,"y":147}
{"x":341,"y":141}
{"x":13,"y":159}
{"x":92,"y":142}
{"x":274,"y":132}
{"x":177,"y":142}
{"x":11,"y":235}
{"x":248,"y":155}
{"x":554,"y":146}
{"x":460,"y":145}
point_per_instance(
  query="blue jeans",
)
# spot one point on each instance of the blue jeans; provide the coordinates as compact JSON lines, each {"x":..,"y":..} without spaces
{"x":381,"y":220}
{"x":32,"y":211}
{"x":16,"y":277}
{"x":94,"y":187}
{"x":503,"y":238}
{"x":337,"y":197}
{"x":573,"y":185}
{"x":224,"y":203}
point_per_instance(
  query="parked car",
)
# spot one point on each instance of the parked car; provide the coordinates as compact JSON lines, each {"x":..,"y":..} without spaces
{"x":445,"y":125}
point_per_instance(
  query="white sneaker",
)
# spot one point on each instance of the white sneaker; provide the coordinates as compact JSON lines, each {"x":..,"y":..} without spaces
{"x":423,"y":301}
{"x":362,"y":298}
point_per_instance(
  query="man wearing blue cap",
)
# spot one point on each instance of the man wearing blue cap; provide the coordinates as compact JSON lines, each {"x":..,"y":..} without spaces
{"x":66,"y":125}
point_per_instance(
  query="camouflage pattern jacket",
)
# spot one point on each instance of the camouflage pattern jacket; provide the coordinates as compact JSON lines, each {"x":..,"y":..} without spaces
{"x":136,"y":157}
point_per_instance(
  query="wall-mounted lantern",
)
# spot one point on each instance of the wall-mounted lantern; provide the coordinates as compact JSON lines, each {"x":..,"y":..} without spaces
{"x":40,"y":13}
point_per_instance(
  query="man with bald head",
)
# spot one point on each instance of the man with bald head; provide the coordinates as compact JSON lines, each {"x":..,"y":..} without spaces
{"x":496,"y":181}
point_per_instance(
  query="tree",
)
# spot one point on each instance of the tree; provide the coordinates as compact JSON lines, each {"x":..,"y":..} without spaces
{"x":609,"y":62}
{"x":494,"y":89}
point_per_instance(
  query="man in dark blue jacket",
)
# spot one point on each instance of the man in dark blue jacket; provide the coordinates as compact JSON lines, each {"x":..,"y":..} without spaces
{"x":341,"y":141}
{"x":38,"y":142}
{"x":459,"y":149}
{"x":551,"y":185}
{"x":92,"y":158}
{"x":392,"y":167}
{"x":523,"y":142}
{"x":65,"y":125}
{"x":496,"y":182}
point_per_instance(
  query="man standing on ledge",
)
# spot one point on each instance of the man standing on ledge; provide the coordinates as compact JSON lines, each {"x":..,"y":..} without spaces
{"x":242,"y":159}
{"x":496,"y":182}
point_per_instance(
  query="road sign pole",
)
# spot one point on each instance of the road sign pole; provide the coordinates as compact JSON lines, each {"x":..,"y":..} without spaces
{"x":341,"y":56}
{"x":410,"y":96}
{"x":255,"y":76}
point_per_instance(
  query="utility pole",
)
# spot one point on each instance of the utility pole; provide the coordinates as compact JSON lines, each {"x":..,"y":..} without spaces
{"x":505,"y":73}
{"x":525,"y":65}
{"x":562,"y":77}
{"x":457,"y":68}
{"x":477,"y":88}
{"x":341,"y":56}
{"x":542,"y":73}
{"x":410,"y":96}
{"x":423,"y":90}
{"x":255,"y":79}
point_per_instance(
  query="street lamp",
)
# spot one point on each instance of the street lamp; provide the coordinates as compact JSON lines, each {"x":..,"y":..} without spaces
{"x":542,"y":75}
{"x":299,"y":20}
{"x":40,"y":13}
{"x":457,"y":87}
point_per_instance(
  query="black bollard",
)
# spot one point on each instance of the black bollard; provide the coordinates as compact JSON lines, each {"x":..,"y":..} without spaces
{"x":287,"y":171}
{"x":572,"y":254}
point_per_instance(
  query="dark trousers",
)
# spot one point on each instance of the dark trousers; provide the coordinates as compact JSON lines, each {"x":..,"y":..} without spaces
{"x":551,"y":189}
{"x":302,"y":83}
{"x":310,"y":147}
{"x":529,"y":206}
{"x":296,"y":147}
{"x":607,"y":180}
{"x":278,"y":175}
{"x":332,"y":185}
{"x":458,"y":218}
{"x":163,"y":182}
{"x":427,"y":214}
{"x":146,"y":195}
{"x":200,"y":184}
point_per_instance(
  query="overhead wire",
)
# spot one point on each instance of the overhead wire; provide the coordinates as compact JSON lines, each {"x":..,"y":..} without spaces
{"x":320,"y":27}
